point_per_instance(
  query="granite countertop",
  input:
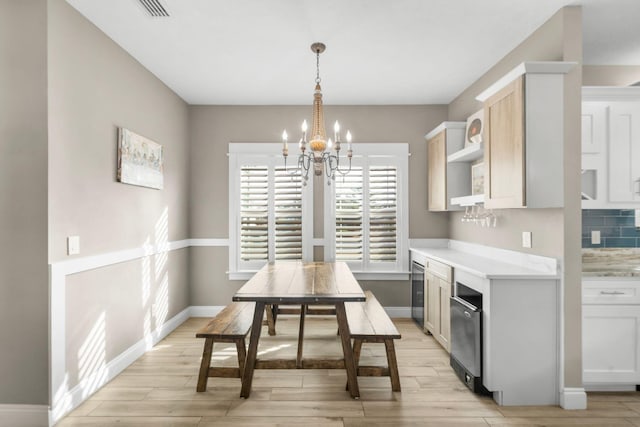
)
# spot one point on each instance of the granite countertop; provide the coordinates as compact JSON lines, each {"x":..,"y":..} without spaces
{"x":611,"y":262}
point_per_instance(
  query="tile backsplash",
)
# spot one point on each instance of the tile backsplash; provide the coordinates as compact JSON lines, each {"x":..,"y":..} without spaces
{"x":617,"y":228}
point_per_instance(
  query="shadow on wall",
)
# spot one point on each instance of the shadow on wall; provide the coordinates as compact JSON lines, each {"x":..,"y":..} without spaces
{"x":93,"y":367}
{"x":155,"y":314}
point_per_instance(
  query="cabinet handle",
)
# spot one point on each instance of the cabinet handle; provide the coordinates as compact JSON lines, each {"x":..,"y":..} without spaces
{"x":611,"y":293}
{"x":466,"y":313}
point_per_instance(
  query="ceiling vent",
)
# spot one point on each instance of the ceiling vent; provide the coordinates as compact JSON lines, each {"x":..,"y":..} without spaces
{"x":154,"y":7}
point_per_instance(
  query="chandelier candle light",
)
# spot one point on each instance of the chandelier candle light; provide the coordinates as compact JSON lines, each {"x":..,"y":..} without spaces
{"x":319,"y":143}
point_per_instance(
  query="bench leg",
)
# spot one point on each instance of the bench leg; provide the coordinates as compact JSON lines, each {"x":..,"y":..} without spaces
{"x":393,"y":365}
{"x":242,"y":355}
{"x":203,"y":376}
{"x":357,"y":348}
{"x":303,"y":310}
{"x":271,"y":318}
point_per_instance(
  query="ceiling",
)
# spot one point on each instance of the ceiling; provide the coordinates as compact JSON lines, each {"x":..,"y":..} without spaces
{"x":256,"y":52}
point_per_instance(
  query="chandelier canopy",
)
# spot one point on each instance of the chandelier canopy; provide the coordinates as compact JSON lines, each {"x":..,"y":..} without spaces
{"x":321,"y":148}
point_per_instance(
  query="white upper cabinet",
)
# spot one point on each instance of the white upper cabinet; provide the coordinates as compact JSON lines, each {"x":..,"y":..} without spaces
{"x":524,"y":139}
{"x":611,"y":147}
{"x":624,"y":152}
{"x":594,"y":129}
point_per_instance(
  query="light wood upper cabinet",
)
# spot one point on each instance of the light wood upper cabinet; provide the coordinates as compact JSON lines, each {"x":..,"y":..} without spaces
{"x":445,"y":180}
{"x":524,"y":137}
{"x":504,"y":154}
{"x":437,"y":172}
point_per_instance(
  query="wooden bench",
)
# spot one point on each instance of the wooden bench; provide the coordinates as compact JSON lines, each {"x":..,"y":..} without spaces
{"x":369,"y":323}
{"x":231,"y":325}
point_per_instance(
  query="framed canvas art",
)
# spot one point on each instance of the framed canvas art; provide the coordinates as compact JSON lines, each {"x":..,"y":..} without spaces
{"x":475,"y":124}
{"x":140,"y":160}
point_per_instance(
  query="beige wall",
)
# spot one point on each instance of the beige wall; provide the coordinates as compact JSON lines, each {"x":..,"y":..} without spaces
{"x":213,"y":127}
{"x":23,"y":202}
{"x":572,"y":51}
{"x":556,"y":232}
{"x":610,"y":75}
{"x":95,"y":87}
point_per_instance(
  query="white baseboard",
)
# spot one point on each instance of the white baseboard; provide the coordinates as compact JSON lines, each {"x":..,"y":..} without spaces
{"x":573,"y":398}
{"x":81,"y":392}
{"x":610,"y":387}
{"x":398,"y":312}
{"x":24,"y":415}
{"x":204,"y":310}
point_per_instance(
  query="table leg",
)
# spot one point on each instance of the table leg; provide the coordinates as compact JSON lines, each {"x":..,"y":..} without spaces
{"x":252,"y":353}
{"x":349,"y":363}
{"x":303,"y":310}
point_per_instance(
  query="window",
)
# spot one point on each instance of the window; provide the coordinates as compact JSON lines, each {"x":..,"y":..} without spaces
{"x":268,"y":209}
{"x":366,"y":211}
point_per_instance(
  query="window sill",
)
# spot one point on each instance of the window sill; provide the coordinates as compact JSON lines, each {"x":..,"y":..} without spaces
{"x":359,"y":275}
{"x":241,"y":275}
{"x":382,"y":275}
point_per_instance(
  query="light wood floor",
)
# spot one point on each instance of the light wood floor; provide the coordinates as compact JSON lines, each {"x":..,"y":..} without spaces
{"x":159,"y":389}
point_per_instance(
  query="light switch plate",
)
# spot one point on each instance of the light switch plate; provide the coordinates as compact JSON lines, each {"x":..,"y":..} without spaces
{"x":73,"y":245}
{"x":526,"y":239}
{"x":595,"y":237}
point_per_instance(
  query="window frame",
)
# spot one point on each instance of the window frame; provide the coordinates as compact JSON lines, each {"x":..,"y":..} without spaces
{"x":377,"y":154}
{"x":270,"y":155}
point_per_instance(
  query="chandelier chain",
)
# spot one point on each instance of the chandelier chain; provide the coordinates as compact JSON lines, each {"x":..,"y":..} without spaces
{"x":318,"y":79}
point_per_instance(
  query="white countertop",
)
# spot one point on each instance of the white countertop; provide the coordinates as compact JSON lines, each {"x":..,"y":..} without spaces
{"x":493,"y":263}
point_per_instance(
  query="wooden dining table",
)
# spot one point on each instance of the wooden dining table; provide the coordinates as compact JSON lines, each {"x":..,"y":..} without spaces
{"x":301,"y":283}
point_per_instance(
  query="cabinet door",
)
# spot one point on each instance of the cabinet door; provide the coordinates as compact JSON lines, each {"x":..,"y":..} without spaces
{"x":504,"y":150}
{"x":432,"y":304}
{"x":594,"y":128}
{"x":624,"y":152}
{"x":445,"y":315}
{"x":610,"y":344}
{"x":437,"y":172}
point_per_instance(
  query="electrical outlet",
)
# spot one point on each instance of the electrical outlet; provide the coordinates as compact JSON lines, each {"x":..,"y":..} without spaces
{"x":595,"y":237}
{"x":526,"y":239}
{"x":73,"y":245}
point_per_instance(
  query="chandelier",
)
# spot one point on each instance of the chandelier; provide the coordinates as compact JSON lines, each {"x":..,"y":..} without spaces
{"x":320,"y":154}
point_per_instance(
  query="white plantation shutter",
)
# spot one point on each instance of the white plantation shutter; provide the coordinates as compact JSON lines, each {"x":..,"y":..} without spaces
{"x":382,"y":213}
{"x":288,"y":215}
{"x":349,"y":216}
{"x":270,"y":212}
{"x":254,"y":213}
{"x":366,"y":212}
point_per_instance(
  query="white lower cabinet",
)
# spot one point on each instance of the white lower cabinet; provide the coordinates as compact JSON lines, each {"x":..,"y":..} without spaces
{"x":611,"y":334}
